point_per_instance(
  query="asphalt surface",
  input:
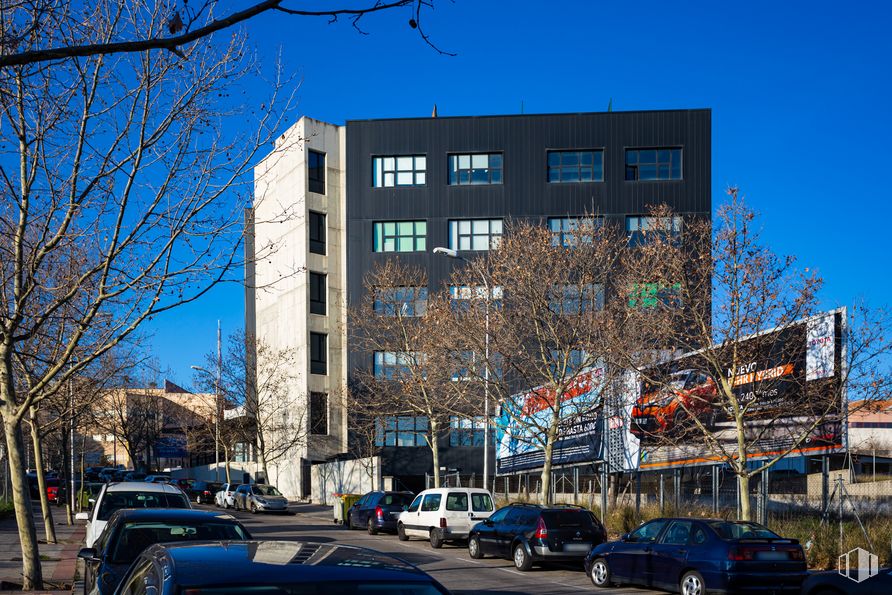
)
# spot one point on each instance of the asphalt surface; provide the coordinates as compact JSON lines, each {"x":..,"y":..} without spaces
{"x":450,"y":565}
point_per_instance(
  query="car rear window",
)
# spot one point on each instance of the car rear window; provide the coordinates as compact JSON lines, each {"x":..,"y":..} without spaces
{"x":135,"y":537}
{"x":113,"y":501}
{"x":457,"y":501}
{"x":742,"y":530}
{"x":560,"y":519}
{"x":396,"y":500}
{"x":481,"y":502}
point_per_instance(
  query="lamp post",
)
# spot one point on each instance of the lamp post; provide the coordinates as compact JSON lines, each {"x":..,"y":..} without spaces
{"x":216,"y":422}
{"x":450,"y":253}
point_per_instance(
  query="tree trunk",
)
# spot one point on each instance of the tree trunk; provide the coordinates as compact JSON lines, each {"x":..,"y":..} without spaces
{"x":545,"y":492}
{"x":261,"y":455}
{"x":48,"y":526}
{"x":743,"y":484}
{"x":435,"y":452}
{"x":32,"y":573}
{"x":226,"y":464}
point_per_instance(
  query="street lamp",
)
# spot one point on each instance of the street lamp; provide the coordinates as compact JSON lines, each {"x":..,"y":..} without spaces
{"x":450,"y":253}
{"x":216,"y":421}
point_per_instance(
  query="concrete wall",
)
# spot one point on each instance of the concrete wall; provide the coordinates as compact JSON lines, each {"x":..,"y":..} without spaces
{"x":356,"y":476}
{"x":209,"y":472}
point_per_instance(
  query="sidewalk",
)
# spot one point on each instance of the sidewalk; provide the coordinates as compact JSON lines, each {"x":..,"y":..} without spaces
{"x":59,"y":560}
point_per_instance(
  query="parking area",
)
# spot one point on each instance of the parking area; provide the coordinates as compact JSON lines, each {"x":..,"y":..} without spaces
{"x":450,"y":565}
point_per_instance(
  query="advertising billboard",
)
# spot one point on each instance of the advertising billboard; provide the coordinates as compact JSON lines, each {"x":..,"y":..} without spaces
{"x":787,"y":390}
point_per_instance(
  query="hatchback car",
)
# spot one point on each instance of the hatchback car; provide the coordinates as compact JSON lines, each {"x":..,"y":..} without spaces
{"x":129,"y":532}
{"x":260,"y":497}
{"x":202,"y":492}
{"x":225,"y":498}
{"x":444,"y":514}
{"x":272,"y":567}
{"x":696,"y":556}
{"x":530,"y":534}
{"x":378,"y":511}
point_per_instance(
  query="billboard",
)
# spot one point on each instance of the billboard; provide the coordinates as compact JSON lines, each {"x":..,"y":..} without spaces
{"x":786,"y":382}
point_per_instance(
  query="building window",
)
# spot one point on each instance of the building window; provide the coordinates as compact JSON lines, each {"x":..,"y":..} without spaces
{"x":400,"y":301}
{"x":469,"y":365}
{"x":474,"y":234}
{"x":462,"y":296}
{"x":319,"y":413}
{"x":642,"y":230}
{"x":653,"y":164}
{"x":476,"y":168}
{"x":400,"y":236}
{"x":575,"y":166}
{"x":390,"y":365}
{"x":402,"y":170}
{"x":564,"y":229}
{"x":316,"y":171}
{"x":577,"y":299}
{"x":401,"y":431}
{"x":318,"y":293}
{"x":318,"y":353}
{"x":317,"y":232}
{"x":468,"y":432}
{"x":574,"y":360}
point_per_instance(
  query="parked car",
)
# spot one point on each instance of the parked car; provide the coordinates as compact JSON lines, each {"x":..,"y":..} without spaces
{"x":260,"y":497}
{"x":157,"y":479}
{"x":115,"y":496}
{"x":134,"y":476}
{"x":129,"y":532}
{"x":834,"y":583}
{"x":107,"y":474}
{"x":273,"y":567}
{"x":183,"y":483}
{"x":531,"y":534}
{"x":444,"y":514}
{"x":225,"y":498}
{"x":687,"y":393}
{"x":699,"y":555}
{"x":92,"y":473}
{"x":202,"y":492}
{"x":378,"y":511}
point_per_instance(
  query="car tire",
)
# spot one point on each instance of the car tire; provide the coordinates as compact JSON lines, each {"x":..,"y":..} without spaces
{"x":474,"y":547}
{"x":600,"y":573}
{"x":254,"y":509}
{"x":522,"y":560}
{"x":401,"y":533}
{"x":436,"y":539}
{"x":692,"y":583}
{"x":373,"y":530}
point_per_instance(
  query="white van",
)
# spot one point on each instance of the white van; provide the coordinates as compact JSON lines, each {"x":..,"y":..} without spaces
{"x":442,"y":514}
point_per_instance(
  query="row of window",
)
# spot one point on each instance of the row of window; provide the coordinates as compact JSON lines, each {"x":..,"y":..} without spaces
{"x":412,"y":431}
{"x":485,"y":234}
{"x":587,"y":165}
{"x":394,"y":365}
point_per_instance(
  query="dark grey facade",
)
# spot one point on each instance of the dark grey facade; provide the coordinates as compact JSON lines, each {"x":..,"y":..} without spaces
{"x":525,"y":193}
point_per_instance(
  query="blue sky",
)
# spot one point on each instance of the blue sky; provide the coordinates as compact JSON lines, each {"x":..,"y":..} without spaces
{"x":800,"y":93}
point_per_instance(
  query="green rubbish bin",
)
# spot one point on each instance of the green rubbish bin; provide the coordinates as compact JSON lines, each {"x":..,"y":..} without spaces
{"x":343,"y":503}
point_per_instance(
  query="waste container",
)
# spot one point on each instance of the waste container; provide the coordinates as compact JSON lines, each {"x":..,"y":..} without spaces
{"x":343,"y":502}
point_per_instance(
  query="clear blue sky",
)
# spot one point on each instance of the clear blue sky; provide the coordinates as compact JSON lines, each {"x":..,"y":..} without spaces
{"x":800,"y":93}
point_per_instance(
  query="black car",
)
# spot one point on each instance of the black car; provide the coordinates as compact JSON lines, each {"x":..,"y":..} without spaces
{"x":273,"y":567}
{"x":130,"y":531}
{"x":202,"y":492}
{"x":529,"y":534}
{"x":699,"y":555}
{"x":378,"y":511}
{"x":834,"y":583}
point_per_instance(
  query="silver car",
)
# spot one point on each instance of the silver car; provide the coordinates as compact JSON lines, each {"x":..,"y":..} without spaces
{"x":260,"y":497}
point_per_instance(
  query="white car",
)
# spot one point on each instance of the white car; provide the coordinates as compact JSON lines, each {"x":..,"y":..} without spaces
{"x":130,"y":494}
{"x":444,"y":514}
{"x":225,"y":498}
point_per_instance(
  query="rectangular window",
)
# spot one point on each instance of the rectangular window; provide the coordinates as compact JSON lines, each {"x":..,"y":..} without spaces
{"x":564,"y":230}
{"x":400,"y":301}
{"x":474,"y":234}
{"x":575,"y":166}
{"x":469,"y":365}
{"x":653,"y":164}
{"x":475,"y":168}
{"x":319,"y":414}
{"x":468,"y":432}
{"x":577,"y":299}
{"x":390,"y":365}
{"x":401,"y":431}
{"x":318,"y":293}
{"x":400,"y":236}
{"x":462,"y":296}
{"x":316,"y":171}
{"x":317,"y":232}
{"x":318,"y":353}
{"x":399,"y":170}
{"x":642,"y":230}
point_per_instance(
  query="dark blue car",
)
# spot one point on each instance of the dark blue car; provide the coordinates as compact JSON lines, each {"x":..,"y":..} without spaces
{"x":696,"y":556}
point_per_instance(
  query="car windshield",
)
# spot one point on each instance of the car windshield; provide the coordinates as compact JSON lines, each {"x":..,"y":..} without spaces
{"x":264,"y":490}
{"x":329,"y":588}
{"x":113,"y":501}
{"x":135,"y":537}
{"x":742,"y":530}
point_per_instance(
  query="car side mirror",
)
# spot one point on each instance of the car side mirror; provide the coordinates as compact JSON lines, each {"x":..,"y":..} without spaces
{"x":82,"y":516}
{"x":89,"y":554}
{"x":627,"y":537}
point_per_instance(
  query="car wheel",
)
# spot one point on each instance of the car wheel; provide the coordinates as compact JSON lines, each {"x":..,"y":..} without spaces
{"x":401,"y":533}
{"x":692,"y":584}
{"x":254,"y":509}
{"x":436,"y":539}
{"x":522,"y":560}
{"x":373,"y":530}
{"x":600,"y":573}
{"x":474,"y":547}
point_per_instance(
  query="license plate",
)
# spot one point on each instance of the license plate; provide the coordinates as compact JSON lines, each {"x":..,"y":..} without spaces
{"x":772,"y":556}
{"x":577,"y":547}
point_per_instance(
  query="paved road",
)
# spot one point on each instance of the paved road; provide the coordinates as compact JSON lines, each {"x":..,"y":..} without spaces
{"x":450,"y":565}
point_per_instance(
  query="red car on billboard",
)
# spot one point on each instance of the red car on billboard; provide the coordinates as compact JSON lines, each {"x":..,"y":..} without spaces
{"x":685,"y":394}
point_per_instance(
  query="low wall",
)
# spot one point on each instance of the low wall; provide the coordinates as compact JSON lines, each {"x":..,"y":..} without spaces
{"x":356,"y":476}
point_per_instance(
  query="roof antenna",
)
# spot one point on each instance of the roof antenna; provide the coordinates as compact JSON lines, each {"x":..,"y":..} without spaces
{"x":434,"y":112}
